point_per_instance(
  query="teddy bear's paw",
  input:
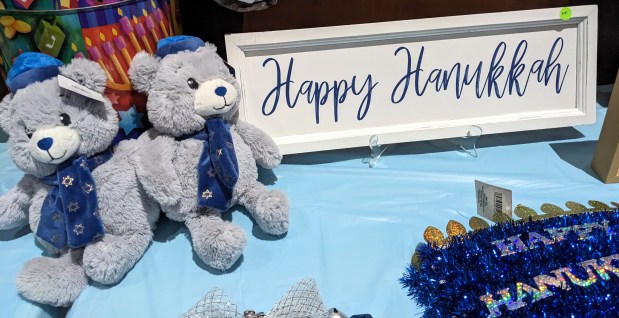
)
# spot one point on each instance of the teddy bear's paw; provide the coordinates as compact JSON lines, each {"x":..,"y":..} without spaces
{"x":109,"y":259}
{"x":271,"y":159}
{"x":220,"y":245}
{"x":272,"y":212}
{"x":11,"y":213}
{"x":53,"y":281}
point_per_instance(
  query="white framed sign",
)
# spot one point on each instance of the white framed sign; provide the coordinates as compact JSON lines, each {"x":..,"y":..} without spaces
{"x":335,"y":87}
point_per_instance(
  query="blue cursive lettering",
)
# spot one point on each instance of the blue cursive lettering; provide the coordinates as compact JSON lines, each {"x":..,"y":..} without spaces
{"x":317,"y":93}
{"x":498,"y":81}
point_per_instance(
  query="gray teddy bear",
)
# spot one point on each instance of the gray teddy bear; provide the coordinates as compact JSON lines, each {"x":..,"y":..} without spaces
{"x":200,"y":160}
{"x":83,"y":203}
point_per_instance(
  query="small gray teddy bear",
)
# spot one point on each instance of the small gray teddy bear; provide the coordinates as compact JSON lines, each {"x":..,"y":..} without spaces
{"x":81,"y":202}
{"x":201,"y":160}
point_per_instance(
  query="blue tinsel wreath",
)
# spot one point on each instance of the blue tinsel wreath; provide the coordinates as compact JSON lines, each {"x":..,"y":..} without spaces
{"x":449,"y":282}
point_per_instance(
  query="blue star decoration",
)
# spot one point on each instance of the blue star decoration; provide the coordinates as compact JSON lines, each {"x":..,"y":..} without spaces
{"x":130,"y":120}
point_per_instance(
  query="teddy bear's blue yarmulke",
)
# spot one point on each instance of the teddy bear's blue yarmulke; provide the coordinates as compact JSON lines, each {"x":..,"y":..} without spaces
{"x":31,"y":67}
{"x":174,"y":44}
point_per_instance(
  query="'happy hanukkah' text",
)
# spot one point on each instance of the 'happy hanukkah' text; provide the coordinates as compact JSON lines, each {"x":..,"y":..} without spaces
{"x":506,"y":73}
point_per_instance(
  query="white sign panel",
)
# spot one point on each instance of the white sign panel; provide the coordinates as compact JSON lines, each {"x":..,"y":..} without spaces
{"x":335,"y":87}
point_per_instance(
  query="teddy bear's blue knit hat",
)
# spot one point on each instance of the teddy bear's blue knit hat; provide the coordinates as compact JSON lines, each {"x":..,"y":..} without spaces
{"x":31,"y":67}
{"x":178,"y":43}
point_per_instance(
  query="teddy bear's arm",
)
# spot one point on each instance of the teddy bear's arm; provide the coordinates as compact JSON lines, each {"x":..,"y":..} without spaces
{"x":14,"y":204}
{"x":156,"y":171}
{"x":266,"y":153}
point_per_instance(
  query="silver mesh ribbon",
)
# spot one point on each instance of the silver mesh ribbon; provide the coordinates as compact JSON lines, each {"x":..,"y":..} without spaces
{"x":301,"y":301}
{"x":214,"y":305}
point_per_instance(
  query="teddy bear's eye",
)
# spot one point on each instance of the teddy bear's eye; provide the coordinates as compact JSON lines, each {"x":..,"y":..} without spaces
{"x":192,"y":83}
{"x":65,"y":119}
{"x":28,"y":132}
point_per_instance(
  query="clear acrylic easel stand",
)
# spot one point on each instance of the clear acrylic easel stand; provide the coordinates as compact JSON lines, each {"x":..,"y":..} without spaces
{"x":467,"y":145}
{"x":376,"y":150}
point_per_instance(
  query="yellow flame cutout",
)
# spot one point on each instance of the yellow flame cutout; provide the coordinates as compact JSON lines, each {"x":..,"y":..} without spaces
{"x":120,"y":12}
{"x":144,"y":13}
{"x":88,"y":41}
{"x":114,"y":32}
{"x":152,"y":2}
{"x":135,"y":20}
{"x":73,"y":47}
{"x":102,"y":36}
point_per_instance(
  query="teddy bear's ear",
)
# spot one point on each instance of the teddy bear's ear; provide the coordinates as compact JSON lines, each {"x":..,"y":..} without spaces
{"x":210,"y":46}
{"x":5,"y":113}
{"x":87,"y":73}
{"x":142,"y":71}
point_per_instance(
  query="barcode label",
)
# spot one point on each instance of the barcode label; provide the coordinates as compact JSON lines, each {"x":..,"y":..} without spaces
{"x":492,"y":199}
{"x":498,"y":202}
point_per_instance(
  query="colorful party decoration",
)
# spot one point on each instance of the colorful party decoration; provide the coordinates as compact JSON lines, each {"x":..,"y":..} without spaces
{"x":109,"y":32}
{"x":560,"y":263}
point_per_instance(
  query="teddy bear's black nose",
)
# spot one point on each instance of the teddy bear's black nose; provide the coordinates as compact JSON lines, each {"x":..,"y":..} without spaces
{"x":45,"y":143}
{"x":221,"y":91}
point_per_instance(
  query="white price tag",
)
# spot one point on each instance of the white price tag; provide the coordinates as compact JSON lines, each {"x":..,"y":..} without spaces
{"x":78,"y":88}
{"x":492,"y":199}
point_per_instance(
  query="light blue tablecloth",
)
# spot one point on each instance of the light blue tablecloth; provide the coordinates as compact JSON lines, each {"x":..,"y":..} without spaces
{"x":352,"y":228}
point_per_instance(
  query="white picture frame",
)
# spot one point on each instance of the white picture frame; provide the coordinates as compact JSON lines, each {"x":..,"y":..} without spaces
{"x":337,"y":53}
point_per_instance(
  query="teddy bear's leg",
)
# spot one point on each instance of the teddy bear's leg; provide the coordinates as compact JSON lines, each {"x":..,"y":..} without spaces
{"x":108,"y":260}
{"x":218,"y":243}
{"x":53,"y":281}
{"x":268,"y":208}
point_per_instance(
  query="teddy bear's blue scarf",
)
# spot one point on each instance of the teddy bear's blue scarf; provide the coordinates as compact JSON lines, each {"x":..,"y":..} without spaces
{"x":218,"y":169}
{"x":69,"y":214}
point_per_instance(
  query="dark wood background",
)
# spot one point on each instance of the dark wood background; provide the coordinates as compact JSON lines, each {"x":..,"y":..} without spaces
{"x":211,"y":22}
